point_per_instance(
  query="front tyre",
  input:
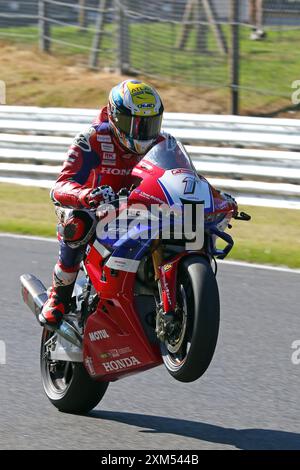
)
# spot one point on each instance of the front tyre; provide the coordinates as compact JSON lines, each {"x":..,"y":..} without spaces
{"x":67,"y":384}
{"x":190,"y":344}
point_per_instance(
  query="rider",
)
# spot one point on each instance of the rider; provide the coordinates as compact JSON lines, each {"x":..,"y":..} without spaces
{"x":98,"y":165}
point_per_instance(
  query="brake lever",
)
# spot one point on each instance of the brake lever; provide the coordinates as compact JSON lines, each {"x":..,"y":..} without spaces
{"x":124,"y":192}
{"x":242,"y":216}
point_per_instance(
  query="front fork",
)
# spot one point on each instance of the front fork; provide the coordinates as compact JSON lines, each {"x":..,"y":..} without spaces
{"x":166,"y":278}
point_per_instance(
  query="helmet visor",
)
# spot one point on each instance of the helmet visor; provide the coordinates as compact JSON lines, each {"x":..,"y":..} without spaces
{"x":139,"y":127}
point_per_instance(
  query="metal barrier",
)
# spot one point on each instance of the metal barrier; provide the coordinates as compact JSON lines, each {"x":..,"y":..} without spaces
{"x":255,"y":159}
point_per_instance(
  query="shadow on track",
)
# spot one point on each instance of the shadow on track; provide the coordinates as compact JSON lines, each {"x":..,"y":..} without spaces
{"x":245,"y":439}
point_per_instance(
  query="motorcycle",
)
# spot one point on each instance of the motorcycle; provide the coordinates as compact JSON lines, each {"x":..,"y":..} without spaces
{"x":140,"y":301}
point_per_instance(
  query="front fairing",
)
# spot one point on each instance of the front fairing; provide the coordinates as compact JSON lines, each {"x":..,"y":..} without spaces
{"x":167,"y":176}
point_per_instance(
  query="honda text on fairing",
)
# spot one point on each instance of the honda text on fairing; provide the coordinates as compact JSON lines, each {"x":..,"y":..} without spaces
{"x":141,"y":300}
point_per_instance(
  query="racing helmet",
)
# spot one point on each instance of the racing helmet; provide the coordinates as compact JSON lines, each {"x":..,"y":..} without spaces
{"x":135,"y":114}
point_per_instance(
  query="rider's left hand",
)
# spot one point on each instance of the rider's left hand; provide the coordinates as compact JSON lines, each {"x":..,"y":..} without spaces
{"x":230,"y":200}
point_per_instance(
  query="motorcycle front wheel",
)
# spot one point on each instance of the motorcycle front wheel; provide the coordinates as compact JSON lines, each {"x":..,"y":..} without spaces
{"x":192,"y":337}
{"x":67,"y":384}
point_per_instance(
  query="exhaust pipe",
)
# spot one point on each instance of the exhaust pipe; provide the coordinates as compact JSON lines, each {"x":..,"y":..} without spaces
{"x":34,"y":293}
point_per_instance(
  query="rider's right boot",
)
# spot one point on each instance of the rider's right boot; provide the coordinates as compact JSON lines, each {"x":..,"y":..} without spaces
{"x":56,"y":306}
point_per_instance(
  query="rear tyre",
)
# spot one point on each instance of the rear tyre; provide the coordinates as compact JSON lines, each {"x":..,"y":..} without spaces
{"x":190,"y":344}
{"x":67,"y":384}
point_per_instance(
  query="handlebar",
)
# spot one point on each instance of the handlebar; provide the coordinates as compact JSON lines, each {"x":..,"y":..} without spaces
{"x":242,"y":216}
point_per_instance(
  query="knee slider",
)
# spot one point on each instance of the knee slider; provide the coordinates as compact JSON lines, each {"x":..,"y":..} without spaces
{"x":76,"y":227}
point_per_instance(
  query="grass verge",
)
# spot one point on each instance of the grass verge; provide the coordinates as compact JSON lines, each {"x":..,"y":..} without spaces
{"x":27,"y":211}
{"x":267,"y":68}
{"x":272,"y":236}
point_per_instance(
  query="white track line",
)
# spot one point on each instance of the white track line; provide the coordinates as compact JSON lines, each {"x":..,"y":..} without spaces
{"x":241,"y":264}
{"x":244,"y":264}
{"x":28,"y":237}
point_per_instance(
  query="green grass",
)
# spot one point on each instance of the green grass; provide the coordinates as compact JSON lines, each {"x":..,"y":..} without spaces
{"x":272,"y":236}
{"x":27,"y":211}
{"x":269,"y":66}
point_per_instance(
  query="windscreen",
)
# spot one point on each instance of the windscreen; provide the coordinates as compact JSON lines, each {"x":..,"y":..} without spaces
{"x":169,"y":154}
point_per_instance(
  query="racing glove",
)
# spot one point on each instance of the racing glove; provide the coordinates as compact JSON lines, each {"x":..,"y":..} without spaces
{"x":231,"y":201}
{"x":102,"y":194}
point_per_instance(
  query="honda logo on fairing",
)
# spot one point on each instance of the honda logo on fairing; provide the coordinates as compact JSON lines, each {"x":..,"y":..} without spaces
{"x":98,"y":335}
{"x":121,"y":364}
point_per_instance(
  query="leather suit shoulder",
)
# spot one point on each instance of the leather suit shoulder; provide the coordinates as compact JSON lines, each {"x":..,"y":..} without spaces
{"x":83,"y":139}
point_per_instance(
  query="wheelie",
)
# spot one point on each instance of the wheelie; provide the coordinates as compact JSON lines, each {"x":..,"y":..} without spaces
{"x":147,"y":291}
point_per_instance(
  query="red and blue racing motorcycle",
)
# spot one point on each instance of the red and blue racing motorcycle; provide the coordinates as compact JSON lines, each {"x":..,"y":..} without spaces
{"x":140,"y":301}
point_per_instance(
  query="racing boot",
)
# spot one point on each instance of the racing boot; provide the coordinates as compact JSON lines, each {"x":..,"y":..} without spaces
{"x":59,"y":299}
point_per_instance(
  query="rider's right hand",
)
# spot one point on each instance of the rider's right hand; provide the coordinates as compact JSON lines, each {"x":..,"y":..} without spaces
{"x":102,"y":194}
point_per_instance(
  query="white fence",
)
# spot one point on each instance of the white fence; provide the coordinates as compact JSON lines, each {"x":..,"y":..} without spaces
{"x":255,"y":159}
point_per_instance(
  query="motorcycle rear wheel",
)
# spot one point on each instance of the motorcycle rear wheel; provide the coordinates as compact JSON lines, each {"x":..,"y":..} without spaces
{"x":67,"y":385}
{"x":189,"y":349}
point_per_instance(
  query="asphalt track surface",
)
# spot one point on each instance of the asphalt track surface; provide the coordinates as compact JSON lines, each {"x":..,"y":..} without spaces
{"x":248,"y":398}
